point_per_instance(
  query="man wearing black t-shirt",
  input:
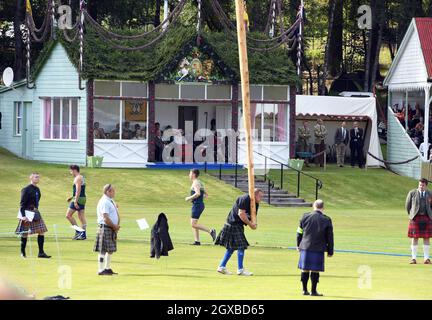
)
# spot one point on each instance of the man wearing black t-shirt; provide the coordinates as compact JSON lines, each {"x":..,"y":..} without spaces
{"x":232,"y":235}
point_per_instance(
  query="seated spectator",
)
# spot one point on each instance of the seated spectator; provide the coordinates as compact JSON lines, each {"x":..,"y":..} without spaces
{"x":137,"y":130}
{"x":98,"y":132}
{"x":423,"y":149}
{"x":115,"y":133}
{"x":416,"y":134}
{"x":127,"y":133}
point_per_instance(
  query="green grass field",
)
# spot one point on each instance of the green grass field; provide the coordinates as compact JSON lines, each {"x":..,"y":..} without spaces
{"x":366,"y":208}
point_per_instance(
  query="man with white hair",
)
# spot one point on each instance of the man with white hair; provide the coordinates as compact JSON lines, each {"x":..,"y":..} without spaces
{"x":314,"y":237}
{"x":109,"y":224}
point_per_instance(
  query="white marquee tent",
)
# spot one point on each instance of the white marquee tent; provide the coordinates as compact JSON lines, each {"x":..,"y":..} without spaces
{"x":345,"y":108}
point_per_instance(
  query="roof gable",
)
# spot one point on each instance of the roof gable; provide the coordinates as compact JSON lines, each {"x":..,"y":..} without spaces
{"x":408,"y":66}
{"x":424,"y":28}
{"x":102,"y":61}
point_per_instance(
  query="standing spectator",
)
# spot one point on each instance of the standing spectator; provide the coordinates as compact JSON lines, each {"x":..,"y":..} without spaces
{"x":418,"y":207}
{"x":108,"y":220}
{"x":304,"y":135}
{"x":341,"y":141}
{"x":159,"y":145}
{"x":30,"y":199}
{"x":356,"y":145}
{"x":320,"y":135}
{"x":314,"y":238}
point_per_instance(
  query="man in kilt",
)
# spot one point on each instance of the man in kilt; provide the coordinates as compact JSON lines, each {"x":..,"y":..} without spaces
{"x":418,"y":206}
{"x":109,"y":224}
{"x":314,"y":238}
{"x":30,"y":198}
{"x":232,"y":235}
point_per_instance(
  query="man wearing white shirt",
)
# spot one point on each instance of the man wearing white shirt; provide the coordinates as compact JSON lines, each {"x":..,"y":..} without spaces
{"x":108,"y":220}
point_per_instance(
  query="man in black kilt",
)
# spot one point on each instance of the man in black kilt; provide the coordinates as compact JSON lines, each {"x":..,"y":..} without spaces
{"x":418,"y":206}
{"x":314,"y":238}
{"x":30,"y":198}
{"x":108,"y":219}
{"x":232,"y":235}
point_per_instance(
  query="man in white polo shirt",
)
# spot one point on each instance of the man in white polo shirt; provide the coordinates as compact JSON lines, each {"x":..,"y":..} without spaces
{"x":108,"y":220}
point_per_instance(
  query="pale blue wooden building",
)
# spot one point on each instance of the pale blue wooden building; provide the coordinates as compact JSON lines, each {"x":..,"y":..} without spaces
{"x":125,"y":95}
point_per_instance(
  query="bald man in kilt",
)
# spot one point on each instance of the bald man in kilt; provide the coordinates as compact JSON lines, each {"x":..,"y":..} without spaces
{"x":30,"y":199}
{"x":314,"y":238}
{"x":109,"y":224}
{"x":418,"y":206}
{"x":232,"y":235}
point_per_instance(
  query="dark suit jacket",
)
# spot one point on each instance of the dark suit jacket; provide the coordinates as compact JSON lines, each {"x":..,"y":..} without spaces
{"x":339,"y":136}
{"x":160,"y":242}
{"x":315,"y":233}
{"x":356,"y":139}
{"x":28,"y":199}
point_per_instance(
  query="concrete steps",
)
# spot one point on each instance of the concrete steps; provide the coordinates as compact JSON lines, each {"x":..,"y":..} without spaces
{"x":278,"y":197}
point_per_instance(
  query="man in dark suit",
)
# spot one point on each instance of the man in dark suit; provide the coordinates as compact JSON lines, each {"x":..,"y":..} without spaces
{"x":341,"y":141}
{"x":314,"y":238}
{"x":356,"y":145}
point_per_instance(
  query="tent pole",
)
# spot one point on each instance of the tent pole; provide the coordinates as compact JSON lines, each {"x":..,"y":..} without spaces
{"x":244,"y":73}
{"x":406,"y":111}
{"x":426,"y":124}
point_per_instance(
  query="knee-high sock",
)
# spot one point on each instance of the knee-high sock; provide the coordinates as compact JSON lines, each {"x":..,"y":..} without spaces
{"x":226,"y":257}
{"x":414,"y":248}
{"x":41,"y":240}
{"x":304,"y":279}
{"x":101,"y":259}
{"x":240,"y":258}
{"x":315,"y":279}
{"x":426,"y":250}
{"x":23,"y":244}
{"x":108,"y":260}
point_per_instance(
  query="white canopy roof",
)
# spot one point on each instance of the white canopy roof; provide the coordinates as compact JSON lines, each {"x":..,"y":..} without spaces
{"x":344,"y":106}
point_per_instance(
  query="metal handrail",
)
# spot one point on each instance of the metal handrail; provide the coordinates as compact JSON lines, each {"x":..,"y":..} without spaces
{"x":318,"y":182}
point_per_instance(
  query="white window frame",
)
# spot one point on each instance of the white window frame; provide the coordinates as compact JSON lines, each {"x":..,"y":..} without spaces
{"x":42,"y":124}
{"x":18,"y":117}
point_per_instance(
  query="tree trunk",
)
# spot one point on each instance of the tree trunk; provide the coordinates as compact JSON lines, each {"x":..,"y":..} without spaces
{"x":19,"y":45}
{"x":157,"y":19}
{"x":336,"y":40}
{"x":332,"y":7}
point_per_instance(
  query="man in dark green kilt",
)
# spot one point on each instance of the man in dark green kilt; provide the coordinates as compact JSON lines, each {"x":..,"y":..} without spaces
{"x":314,"y":238}
{"x":232,"y":235}
{"x":30,"y":198}
{"x":109,"y":224}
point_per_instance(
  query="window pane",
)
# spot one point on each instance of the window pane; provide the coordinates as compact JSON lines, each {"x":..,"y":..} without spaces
{"x":269,"y":124}
{"x":134,"y":89}
{"x":19,"y":125}
{"x":47,"y":119}
{"x":65,"y":119}
{"x":106,"y":119}
{"x":190,"y":91}
{"x":56,"y":119}
{"x":281,"y":122}
{"x":167,"y":91}
{"x":134,"y":120}
{"x":74,"y":128}
{"x":218,"y":92}
{"x":256,"y":125}
{"x":276,"y":93}
{"x":107,"y":88}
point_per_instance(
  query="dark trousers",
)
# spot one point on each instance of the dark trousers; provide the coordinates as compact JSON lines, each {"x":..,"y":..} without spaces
{"x":320,"y":148}
{"x":356,"y":154}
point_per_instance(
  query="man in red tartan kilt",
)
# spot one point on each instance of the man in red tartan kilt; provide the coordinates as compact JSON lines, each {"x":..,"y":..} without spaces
{"x":418,"y":206}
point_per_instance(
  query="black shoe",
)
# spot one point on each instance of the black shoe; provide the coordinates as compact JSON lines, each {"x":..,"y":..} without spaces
{"x":23,"y":255}
{"x":104,"y":273}
{"x":77,"y":234}
{"x":196,"y":243}
{"x":43,"y":255}
{"x":213,"y":234}
{"x":316,"y":294}
{"x":110,"y":271}
{"x":306,"y":293}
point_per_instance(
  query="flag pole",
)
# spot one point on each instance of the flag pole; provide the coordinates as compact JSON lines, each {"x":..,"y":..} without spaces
{"x":244,"y":73}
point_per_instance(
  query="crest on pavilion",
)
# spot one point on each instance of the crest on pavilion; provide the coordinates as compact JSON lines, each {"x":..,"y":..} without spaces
{"x":197,"y":64}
